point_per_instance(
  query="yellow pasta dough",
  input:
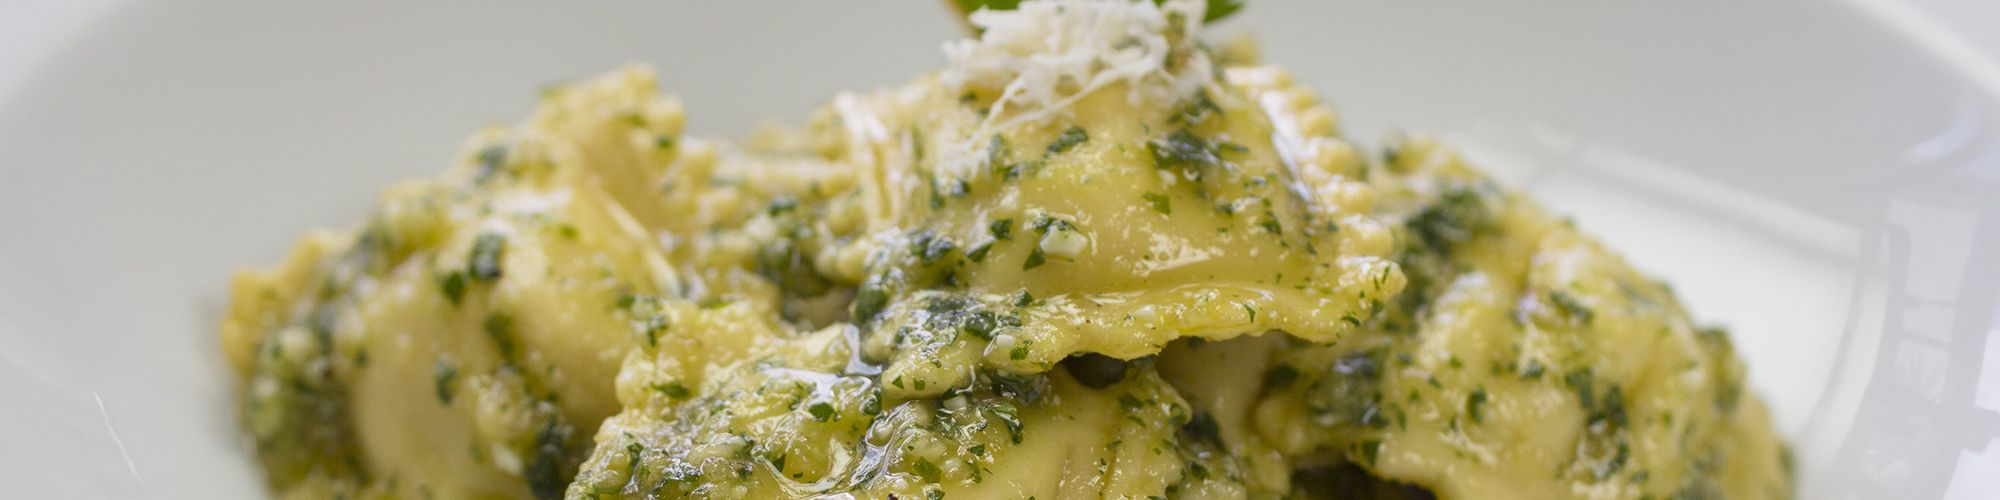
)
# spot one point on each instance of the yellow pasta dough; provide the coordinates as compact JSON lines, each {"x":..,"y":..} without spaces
{"x":1088,"y":259}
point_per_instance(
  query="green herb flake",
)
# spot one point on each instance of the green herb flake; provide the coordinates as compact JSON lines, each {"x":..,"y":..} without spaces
{"x":872,"y":407}
{"x":672,"y":389}
{"x":500,"y":328}
{"x":1533,"y":369}
{"x":1185,"y":151}
{"x":1474,"y":403}
{"x":868,"y":301}
{"x":1571,"y":307}
{"x":1161,"y":203}
{"x":1202,"y":427}
{"x":1002,"y":229}
{"x":978,"y":252}
{"x":1035,"y":259}
{"x":821,"y":411}
{"x":483,"y":263}
{"x":981,"y":324}
{"x":1368,"y":451}
{"x":781,"y":205}
{"x":445,"y":375}
{"x":1069,"y":138}
{"x":1580,"y":382}
{"x":926,"y":470}
{"x":1011,"y":418}
{"x":1129,"y":402}
{"x":931,"y":249}
{"x":491,"y":158}
{"x":1271,"y":225}
{"x":452,"y":284}
{"x":996,"y":158}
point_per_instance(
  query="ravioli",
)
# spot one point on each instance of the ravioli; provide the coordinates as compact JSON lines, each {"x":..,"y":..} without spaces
{"x":1090,"y":258}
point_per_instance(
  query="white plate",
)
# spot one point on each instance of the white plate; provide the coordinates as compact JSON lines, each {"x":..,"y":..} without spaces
{"x":1807,"y":174}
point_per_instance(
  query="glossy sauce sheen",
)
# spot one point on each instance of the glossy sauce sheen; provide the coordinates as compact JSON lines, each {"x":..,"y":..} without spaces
{"x":1179,"y":284}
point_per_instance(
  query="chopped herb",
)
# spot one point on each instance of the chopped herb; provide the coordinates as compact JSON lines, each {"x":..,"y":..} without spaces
{"x":1011,"y":417}
{"x":453,"y":286}
{"x":1571,"y":307}
{"x":500,"y":328}
{"x":931,"y":249}
{"x":1456,"y":218}
{"x":1533,"y":369}
{"x":483,"y":263}
{"x":1161,"y":203}
{"x":672,"y":389}
{"x":1019,"y":352}
{"x":1614,"y":406}
{"x":868,"y":301}
{"x":1271,"y":225}
{"x":1044,"y":223}
{"x":1035,"y":259}
{"x":1185,"y":151}
{"x":978,"y":252}
{"x":491,"y":158}
{"x":1197,"y":110}
{"x":996,"y":154}
{"x":1024,"y":299}
{"x":1068,"y":139}
{"x":1203,"y":428}
{"x":1580,"y":382}
{"x":781,"y":205}
{"x":446,"y":374}
{"x":1368,"y":450}
{"x":651,"y":326}
{"x":1474,"y":403}
{"x":550,"y":467}
{"x":873,"y":406}
{"x":1002,"y":229}
{"x":1016,"y":169}
{"x":821,"y":411}
{"x":926,"y":470}
{"x":981,"y":324}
